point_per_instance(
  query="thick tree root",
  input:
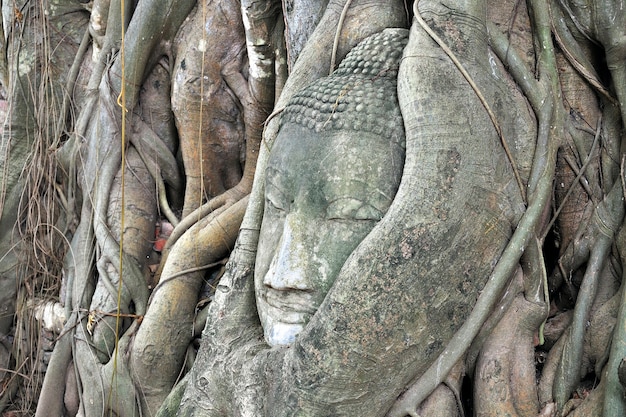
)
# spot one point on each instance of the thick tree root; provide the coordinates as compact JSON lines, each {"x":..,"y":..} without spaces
{"x":158,"y":349}
{"x":505,"y":372}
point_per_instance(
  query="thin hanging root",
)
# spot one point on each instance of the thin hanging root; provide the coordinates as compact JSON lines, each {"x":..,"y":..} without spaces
{"x":342,"y":18}
{"x":580,"y":174}
{"x":621,"y":171}
{"x":481,"y":97}
{"x":69,"y":87}
{"x":574,"y":167}
{"x":188,"y":271}
{"x":265,"y":139}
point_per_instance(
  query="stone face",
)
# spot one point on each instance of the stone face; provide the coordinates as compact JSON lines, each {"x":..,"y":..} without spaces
{"x":333,"y":172}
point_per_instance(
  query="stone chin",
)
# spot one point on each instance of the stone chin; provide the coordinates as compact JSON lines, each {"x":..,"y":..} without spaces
{"x":281,"y":334}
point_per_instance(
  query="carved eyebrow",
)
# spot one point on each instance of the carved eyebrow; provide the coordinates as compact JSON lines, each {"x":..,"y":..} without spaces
{"x":274,"y":177}
{"x":271,"y":172}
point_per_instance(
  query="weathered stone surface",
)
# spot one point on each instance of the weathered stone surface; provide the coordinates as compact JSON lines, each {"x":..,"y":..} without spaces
{"x":333,"y":172}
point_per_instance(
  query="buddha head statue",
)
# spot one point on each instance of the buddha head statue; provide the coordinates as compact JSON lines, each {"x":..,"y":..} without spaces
{"x":332,"y":173}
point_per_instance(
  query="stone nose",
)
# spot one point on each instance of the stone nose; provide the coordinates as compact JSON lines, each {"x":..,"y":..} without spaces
{"x":287,"y":269}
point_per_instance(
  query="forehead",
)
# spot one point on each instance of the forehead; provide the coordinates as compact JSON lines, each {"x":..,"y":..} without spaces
{"x":334,"y":158}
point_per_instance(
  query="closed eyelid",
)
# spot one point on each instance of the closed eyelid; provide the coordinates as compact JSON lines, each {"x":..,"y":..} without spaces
{"x":274,"y":204}
{"x":348,"y":208}
{"x":275,"y":197}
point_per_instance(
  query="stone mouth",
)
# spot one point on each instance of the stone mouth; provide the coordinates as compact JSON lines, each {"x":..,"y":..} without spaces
{"x":289,"y":306}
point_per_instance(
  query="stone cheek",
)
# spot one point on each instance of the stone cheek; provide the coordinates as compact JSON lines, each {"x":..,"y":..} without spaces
{"x":361,"y":95}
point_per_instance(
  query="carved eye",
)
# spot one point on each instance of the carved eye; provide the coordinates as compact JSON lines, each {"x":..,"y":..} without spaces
{"x":348,"y":208}
{"x":274,"y":205}
{"x":275,"y":198}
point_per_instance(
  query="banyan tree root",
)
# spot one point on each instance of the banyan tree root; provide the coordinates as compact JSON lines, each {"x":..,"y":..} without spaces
{"x":445,"y":400}
{"x":158,"y":349}
{"x":505,"y":372}
{"x":225,"y":101}
{"x":208,"y":113}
